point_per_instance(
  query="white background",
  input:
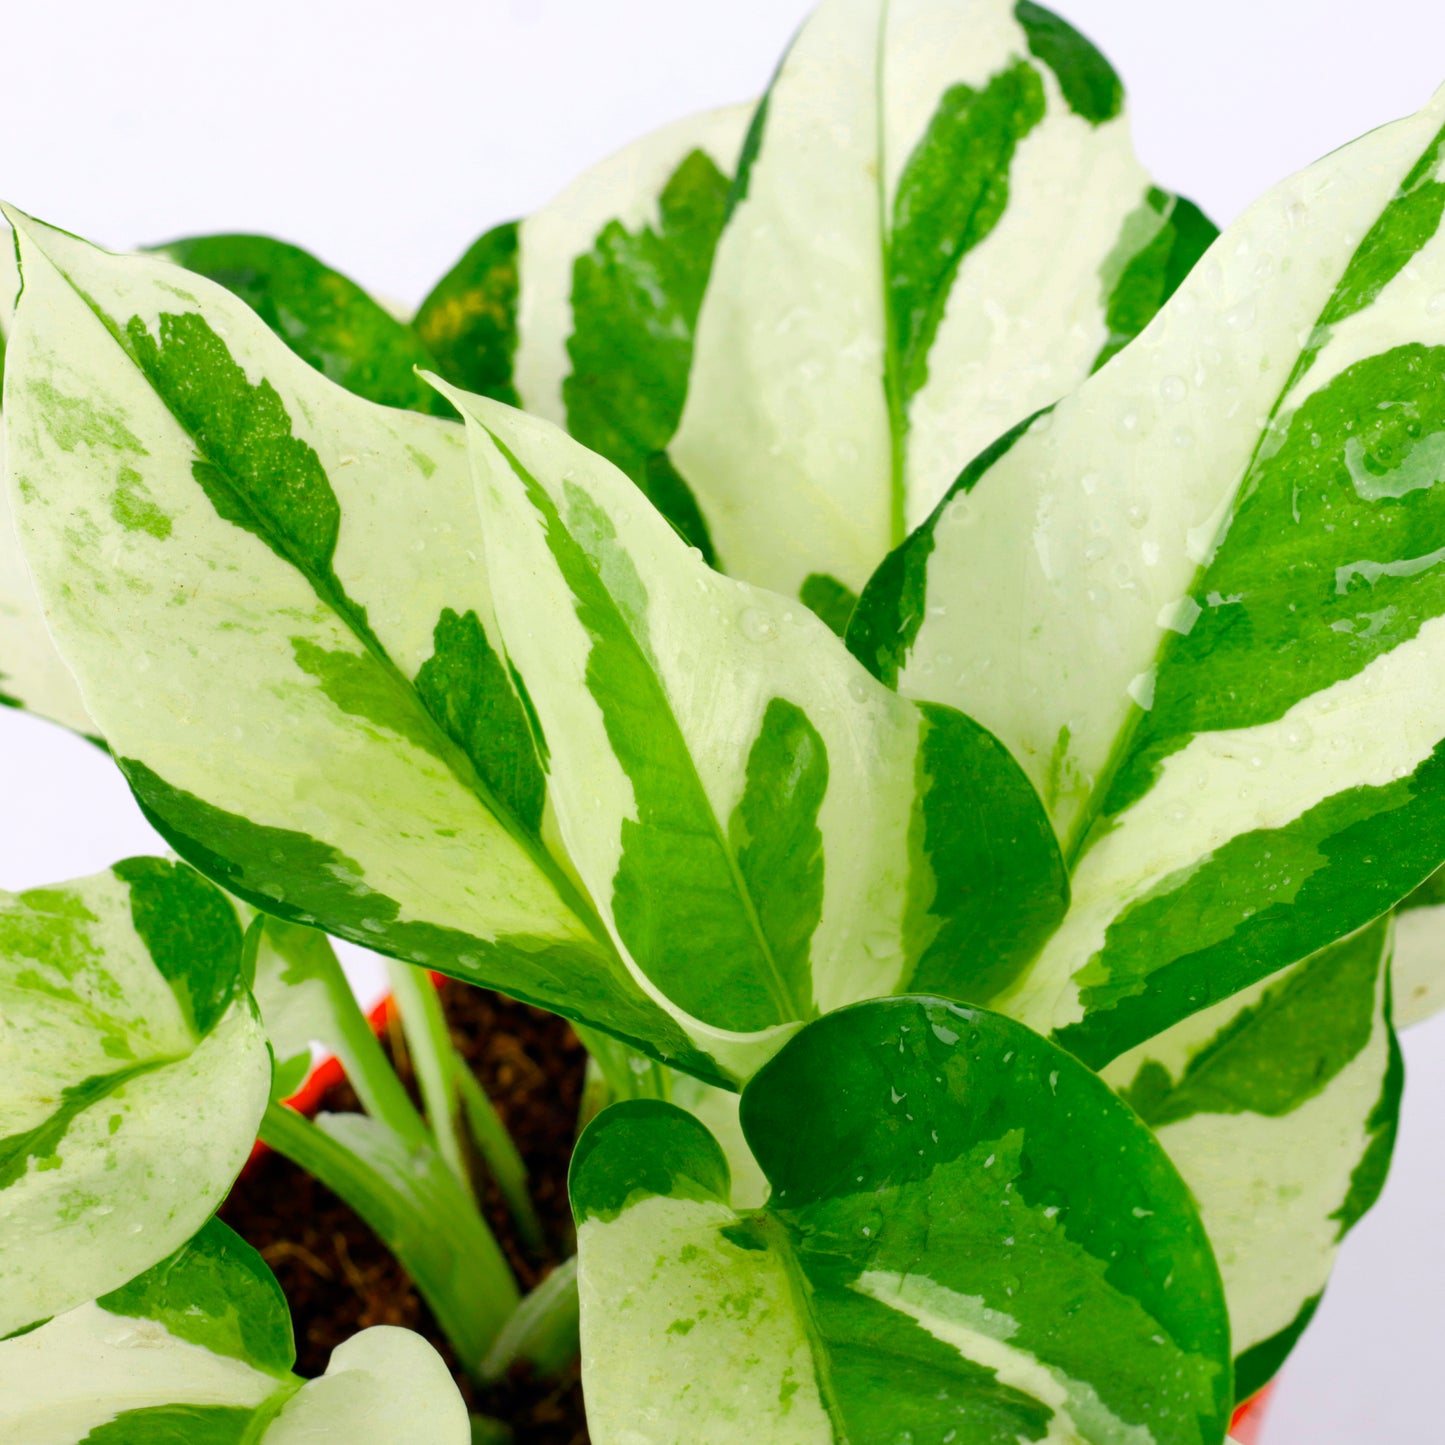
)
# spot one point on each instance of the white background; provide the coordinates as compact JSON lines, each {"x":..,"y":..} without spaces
{"x":385,"y":137}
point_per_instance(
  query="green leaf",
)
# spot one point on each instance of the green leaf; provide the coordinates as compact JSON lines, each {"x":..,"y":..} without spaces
{"x":967,"y":1233}
{"x":1279,"y":1108}
{"x":937,"y":221}
{"x":1200,"y":601}
{"x":767,"y":831}
{"x":326,"y":319}
{"x":469,"y":321}
{"x":198,"y":1351}
{"x":293,"y":670}
{"x":1090,"y":86}
{"x":133,"y":1075}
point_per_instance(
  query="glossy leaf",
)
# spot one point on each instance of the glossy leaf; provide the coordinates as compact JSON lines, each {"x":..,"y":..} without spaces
{"x":1199,"y":601}
{"x":324,"y":317}
{"x":967,"y":1233}
{"x":199,"y":1349}
{"x":942,"y":228}
{"x":1279,"y":1108}
{"x":133,"y":1075}
{"x":274,"y":594}
{"x":767,"y":832}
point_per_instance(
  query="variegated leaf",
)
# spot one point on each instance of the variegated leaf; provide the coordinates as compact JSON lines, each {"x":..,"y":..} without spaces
{"x":323,"y":316}
{"x":32,"y":676}
{"x":199,"y":1348}
{"x":1200,"y":600}
{"x":133,"y":1075}
{"x":840,"y":352}
{"x":273,"y":593}
{"x":767,"y":831}
{"x":584,"y":313}
{"x":940,"y":226}
{"x":1418,"y":969}
{"x":1279,"y":1108}
{"x":968,"y":1238}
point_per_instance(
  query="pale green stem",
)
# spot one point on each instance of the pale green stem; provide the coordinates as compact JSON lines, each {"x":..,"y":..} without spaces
{"x":357,"y":1047}
{"x":437,"y":1234}
{"x":432,"y":1055}
{"x":629,"y":1074}
{"x":500,"y":1155}
{"x":543,"y":1330}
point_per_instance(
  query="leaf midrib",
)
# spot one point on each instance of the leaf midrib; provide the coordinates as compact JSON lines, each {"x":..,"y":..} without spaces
{"x":775,"y":1234}
{"x":790,"y":1008}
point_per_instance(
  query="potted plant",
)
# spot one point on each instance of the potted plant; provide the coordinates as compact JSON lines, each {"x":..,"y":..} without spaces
{"x":924,"y":655}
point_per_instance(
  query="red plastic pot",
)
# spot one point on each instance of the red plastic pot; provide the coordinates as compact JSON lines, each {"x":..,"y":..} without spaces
{"x":1249,"y":1419}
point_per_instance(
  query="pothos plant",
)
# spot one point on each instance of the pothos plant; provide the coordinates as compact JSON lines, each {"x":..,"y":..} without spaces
{"x":927,"y":656}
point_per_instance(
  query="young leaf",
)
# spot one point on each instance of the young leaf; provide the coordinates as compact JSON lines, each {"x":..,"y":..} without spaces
{"x":1200,"y":601}
{"x":273,"y":594}
{"x":324,"y":317}
{"x":967,"y":1233}
{"x":133,"y":1076}
{"x":942,"y":228}
{"x":1279,"y":1109}
{"x":199,"y":1349}
{"x":767,"y":831}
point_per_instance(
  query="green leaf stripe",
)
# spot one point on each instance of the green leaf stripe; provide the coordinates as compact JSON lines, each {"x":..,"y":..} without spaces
{"x":326,"y":319}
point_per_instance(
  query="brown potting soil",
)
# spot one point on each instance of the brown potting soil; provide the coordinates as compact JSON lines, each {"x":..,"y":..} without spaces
{"x":339,"y":1278}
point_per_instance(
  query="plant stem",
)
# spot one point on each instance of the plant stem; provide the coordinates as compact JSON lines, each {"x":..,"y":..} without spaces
{"x":418,"y":1208}
{"x":432,"y":1059}
{"x":629,"y":1075}
{"x":543,"y":1330}
{"x":500,"y":1155}
{"x":357,"y":1047}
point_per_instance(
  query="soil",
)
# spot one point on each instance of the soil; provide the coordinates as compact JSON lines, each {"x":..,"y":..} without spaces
{"x":339,"y":1278}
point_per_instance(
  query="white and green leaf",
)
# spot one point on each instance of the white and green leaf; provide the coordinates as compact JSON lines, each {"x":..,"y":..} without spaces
{"x":199,"y":1348}
{"x":584,"y":313}
{"x":273,"y":594}
{"x":133,"y":1076}
{"x":941,"y":226}
{"x":968,"y":1237}
{"x":767,"y":831}
{"x":32,"y":675}
{"x":1200,"y":601}
{"x":1279,"y":1108}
